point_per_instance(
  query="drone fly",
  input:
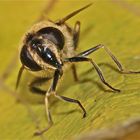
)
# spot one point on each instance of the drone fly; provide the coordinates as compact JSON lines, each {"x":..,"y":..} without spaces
{"x":48,"y":47}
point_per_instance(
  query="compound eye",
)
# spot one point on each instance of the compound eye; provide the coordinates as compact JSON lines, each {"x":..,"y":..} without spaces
{"x":27,"y":60}
{"x":53,"y":35}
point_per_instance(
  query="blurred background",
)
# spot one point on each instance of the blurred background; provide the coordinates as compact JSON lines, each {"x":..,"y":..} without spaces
{"x":114,"y":23}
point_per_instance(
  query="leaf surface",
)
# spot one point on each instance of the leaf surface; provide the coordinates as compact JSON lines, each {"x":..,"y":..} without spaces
{"x":112,"y":23}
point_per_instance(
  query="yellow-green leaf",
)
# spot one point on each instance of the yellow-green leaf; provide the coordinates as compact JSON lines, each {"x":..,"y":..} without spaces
{"x":110,"y":22}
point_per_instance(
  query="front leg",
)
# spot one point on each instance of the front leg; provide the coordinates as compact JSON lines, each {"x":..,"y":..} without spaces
{"x":113,"y":57}
{"x":49,"y":92}
{"x":98,"y":70}
{"x":83,"y":57}
{"x":52,"y":91}
{"x":50,"y":122}
{"x":67,"y":99}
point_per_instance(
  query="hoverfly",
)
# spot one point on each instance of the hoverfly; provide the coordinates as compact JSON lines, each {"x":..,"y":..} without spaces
{"x":49,"y":46}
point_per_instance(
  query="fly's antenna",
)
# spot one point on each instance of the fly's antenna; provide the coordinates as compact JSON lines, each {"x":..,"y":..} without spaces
{"x":19,"y":76}
{"x":61,"y":21}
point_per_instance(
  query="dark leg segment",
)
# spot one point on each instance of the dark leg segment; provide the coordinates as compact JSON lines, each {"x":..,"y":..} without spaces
{"x":80,"y":59}
{"x":72,"y":101}
{"x":65,"y":98}
{"x":119,"y":65}
{"x":55,"y":81}
{"x":53,"y":87}
{"x":76,"y":33}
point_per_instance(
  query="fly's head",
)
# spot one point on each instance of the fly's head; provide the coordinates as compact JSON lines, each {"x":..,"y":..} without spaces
{"x":41,"y":50}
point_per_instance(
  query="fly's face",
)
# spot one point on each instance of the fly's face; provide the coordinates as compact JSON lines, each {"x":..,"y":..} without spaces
{"x":41,"y":50}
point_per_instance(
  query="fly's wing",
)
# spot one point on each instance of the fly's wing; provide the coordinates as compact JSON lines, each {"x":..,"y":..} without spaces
{"x":67,"y":17}
{"x":47,"y":9}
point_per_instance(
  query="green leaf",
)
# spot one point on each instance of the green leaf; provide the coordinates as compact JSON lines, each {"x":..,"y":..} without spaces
{"x":112,"y":23}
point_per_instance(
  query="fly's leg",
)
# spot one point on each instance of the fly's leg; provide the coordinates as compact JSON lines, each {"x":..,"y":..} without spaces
{"x":119,"y":65}
{"x":49,"y":92}
{"x":50,"y":122}
{"x":63,"y":98}
{"x":16,"y":95}
{"x":76,"y":33}
{"x":82,"y":57}
{"x":68,"y":99}
{"x":52,"y":91}
{"x":99,"y":72}
{"x":38,"y":81}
